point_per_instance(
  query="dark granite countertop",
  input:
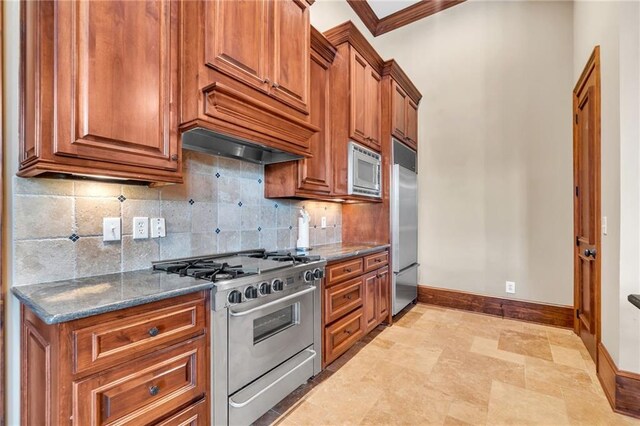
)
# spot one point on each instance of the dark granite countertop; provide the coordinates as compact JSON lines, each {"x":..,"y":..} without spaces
{"x":635,"y":299}
{"x":62,"y":301}
{"x":67,"y":300}
{"x":338,"y":251}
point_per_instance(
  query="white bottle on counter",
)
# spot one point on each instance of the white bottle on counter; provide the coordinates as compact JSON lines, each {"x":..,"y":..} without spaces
{"x":303,"y":230}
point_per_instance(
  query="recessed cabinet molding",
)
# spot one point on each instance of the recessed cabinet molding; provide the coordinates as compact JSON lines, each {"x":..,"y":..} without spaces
{"x":245,"y":71}
{"x":99,"y":98}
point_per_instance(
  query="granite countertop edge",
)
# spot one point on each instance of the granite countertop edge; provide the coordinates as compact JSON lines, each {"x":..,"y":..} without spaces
{"x":354,"y":253}
{"x":50,"y":319}
{"x":635,"y":300}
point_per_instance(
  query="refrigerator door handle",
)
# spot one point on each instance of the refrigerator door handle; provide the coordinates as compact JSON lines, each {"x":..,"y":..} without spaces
{"x":413,"y":265}
{"x":395,"y":212}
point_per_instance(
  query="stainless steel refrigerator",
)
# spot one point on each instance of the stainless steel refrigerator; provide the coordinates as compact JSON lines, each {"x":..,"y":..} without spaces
{"x":404,"y":226}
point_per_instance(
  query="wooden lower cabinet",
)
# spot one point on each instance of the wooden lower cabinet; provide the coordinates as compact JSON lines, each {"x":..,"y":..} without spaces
{"x":163,"y":377}
{"x":355,"y":302}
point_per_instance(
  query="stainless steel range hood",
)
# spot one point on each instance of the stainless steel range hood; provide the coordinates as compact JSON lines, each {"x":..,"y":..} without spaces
{"x":210,"y":142}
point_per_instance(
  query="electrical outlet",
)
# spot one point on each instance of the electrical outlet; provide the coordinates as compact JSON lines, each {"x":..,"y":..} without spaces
{"x":323,"y":222}
{"x":511,"y":287}
{"x":140,"y":228}
{"x":604,"y":225}
{"x":158,"y":229}
{"x":111,"y":229}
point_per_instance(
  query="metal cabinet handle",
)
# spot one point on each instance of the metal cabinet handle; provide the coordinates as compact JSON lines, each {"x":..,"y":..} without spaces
{"x":348,"y":332}
{"x":276,"y":85}
{"x":378,"y":260}
{"x":174,"y":157}
{"x":154,"y":390}
{"x":348,"y":296}
{"x":153,"y":331}
{"x":590,"y":253}
{"x":347,"y":269}
{"x":266,"y":80}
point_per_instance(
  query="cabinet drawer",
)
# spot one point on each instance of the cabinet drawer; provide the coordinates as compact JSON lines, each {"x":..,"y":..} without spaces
{"x":344,"y":270}
{"x":143,"y":390}
{"x":343,"y":334}
{"x":342,"y":299}
{"x":136,"y":333}
{"x":194,"y":415}
{"x":375,"y":261}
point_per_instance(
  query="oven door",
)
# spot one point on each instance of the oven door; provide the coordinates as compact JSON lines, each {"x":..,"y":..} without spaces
{"x":264,"y":336}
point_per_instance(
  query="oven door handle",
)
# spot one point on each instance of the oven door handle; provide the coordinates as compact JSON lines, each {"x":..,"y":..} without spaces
{"x":275,"y":302}
{"x":272,"y":384}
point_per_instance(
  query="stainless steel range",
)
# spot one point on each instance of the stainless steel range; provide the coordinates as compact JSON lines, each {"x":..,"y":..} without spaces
{"x":265,"y":327}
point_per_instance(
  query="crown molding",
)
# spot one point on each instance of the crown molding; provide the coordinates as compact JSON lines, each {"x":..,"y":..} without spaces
{"x":349,"y":33}
{"x":322,"y":46}
{"x":401,"y":18}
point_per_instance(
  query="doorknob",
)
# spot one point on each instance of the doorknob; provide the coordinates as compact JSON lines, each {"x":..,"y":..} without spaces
{"x":590,"y":253}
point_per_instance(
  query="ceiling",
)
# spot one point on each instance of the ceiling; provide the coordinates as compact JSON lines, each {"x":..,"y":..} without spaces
{"x":384,"y":8}
{"x":382,"y":16}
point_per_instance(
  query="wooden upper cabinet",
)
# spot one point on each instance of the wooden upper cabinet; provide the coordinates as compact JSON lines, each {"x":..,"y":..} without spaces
{"x":403,"y":97}
{"x":310,"y":177}
{"x":291,"y":52}
{"x":412,"y":124}
{"x":372,"y":116}
{"x":99,"y":98}
{"x":359,"y":109}
{"x":237,"y":40}
{"x":398,"y":111}
{"x":262,"y":43}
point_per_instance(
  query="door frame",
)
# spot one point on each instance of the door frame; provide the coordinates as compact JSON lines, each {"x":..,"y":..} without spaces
{"x":592,"y":67}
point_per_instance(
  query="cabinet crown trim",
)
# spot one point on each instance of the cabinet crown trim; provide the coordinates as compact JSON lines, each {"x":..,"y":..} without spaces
{"x":349,"y":33}
{"x":392,"y":68}
{"x":322,"y":46}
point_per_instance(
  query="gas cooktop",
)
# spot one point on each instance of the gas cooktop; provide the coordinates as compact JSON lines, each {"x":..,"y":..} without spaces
{"x":229,"y":266}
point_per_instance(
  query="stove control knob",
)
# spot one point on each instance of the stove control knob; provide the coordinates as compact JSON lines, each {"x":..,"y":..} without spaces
{"x":308,"y":276}
{"x":234,"y":297}
{"x":318,"y":273}
{"x":251,"y":292}
{"x":277,"y":285}
{"x":265,"y":289}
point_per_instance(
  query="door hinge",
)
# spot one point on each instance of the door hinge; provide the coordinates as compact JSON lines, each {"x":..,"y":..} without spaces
{"x":577,"y":241}
{"x":577,"y":191}
{"x":576,"y":118}
{"x":577,"y":313}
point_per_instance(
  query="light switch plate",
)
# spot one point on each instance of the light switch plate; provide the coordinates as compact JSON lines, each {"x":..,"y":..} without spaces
{"x":604,"y":225}
{"x":140,"y":228}
{"x":323,"y":222}
{"x":111,"y":229}
{"x":158,"y":228}
{"x":510,"y":287}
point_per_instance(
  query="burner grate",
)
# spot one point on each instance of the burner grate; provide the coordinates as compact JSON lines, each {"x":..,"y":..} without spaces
{"x":207,"y":269}
{"x":285,"y":256}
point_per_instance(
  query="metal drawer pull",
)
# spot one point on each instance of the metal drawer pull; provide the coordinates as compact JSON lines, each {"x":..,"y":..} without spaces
{"x":153,"y":390}
{"x":275,"y":302}
{"x":275,"y":382}
{"x":348,"y":296}
{"x":153,"y":331}
{"x":347,"y":269}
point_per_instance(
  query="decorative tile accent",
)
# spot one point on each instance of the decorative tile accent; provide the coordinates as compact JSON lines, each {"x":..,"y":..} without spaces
{"x":259,"y":228}
{"x":276,"y":205}
{"x":290,"y":227}
{"x":191,"y":202}
{"x":217,"y":230}
{"x":218,"y":175}
{"x":239,"y":203}
{"x":122,"y":198}
{"x":74,"y":237}
{"x":259,"y":180}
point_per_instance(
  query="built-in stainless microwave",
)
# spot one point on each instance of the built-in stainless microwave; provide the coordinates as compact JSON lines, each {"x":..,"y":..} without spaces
{"x":364,"y":171}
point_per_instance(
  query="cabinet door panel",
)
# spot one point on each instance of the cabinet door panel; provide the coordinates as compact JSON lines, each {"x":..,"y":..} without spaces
{"x":116,"y":82}
{"x":370,"y":300}
{"x":290,"y":52}
{"x":384,"y":285}
{"x":358,"y":97}
{"x":373,"y":107}
{"x":314,"y":172}
{"x":399,"y":110}
{"x":236,"y":39}
{"x":412,"y":124}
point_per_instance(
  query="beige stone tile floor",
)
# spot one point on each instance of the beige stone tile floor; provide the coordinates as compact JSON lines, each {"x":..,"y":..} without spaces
{"x":438,"y":366}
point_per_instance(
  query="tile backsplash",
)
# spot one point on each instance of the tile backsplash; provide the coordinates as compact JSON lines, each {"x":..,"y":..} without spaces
{"x":219,"y":208}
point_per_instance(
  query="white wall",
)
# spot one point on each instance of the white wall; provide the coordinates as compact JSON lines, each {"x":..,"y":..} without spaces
{"x":496,"y":144}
